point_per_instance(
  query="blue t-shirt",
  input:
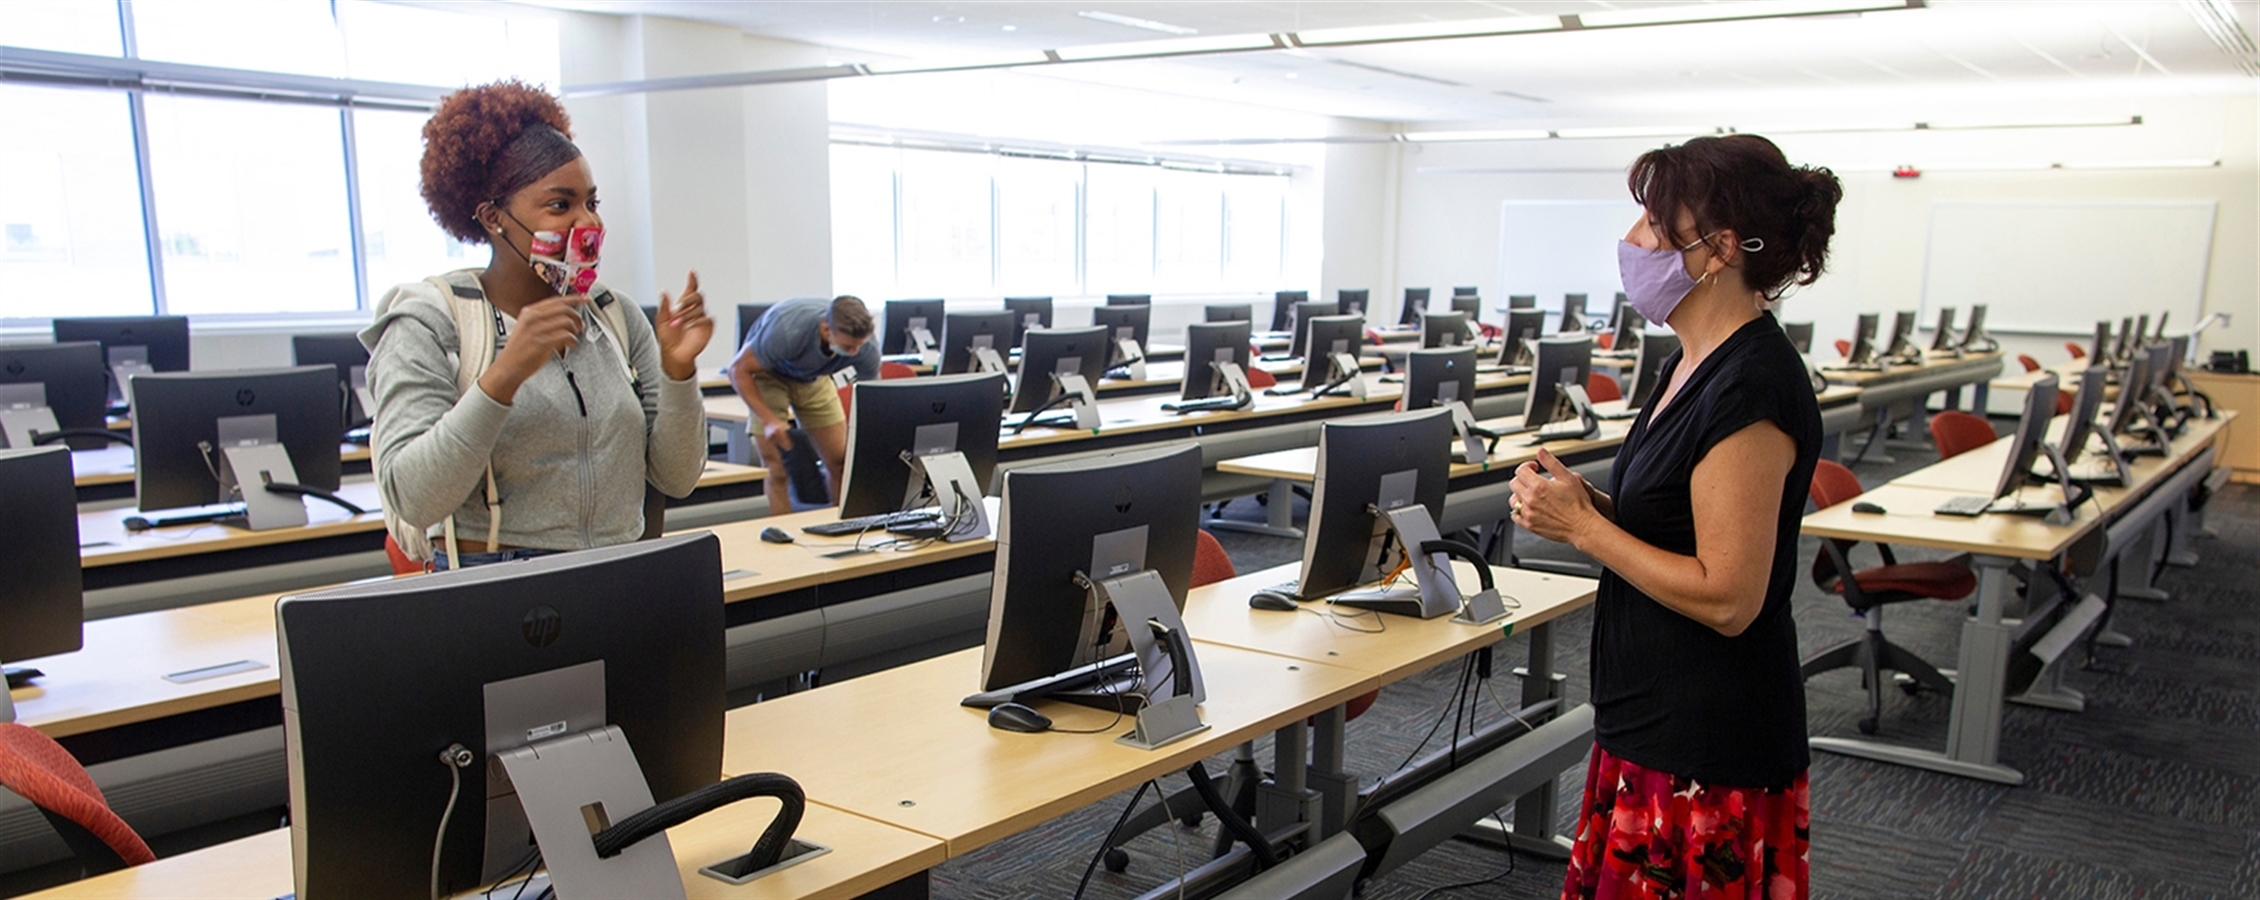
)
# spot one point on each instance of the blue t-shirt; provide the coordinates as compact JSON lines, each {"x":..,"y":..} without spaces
{"x":786,"y":342}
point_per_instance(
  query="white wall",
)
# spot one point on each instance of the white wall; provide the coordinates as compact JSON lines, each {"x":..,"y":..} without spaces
{"x":1448,"y":231}
{"x":1360,"y":218}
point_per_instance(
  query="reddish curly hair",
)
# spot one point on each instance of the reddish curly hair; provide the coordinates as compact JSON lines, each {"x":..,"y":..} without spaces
{"x":469,"y":146}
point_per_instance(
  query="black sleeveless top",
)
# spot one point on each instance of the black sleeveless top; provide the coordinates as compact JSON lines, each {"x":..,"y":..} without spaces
{"x":1670,"y":693}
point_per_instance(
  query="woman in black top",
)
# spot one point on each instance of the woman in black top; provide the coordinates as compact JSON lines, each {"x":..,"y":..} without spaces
{"x":1696,"y":788}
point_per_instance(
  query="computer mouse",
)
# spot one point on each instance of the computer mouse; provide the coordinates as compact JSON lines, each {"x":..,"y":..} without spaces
{"x":1272,"y":601}
{"x":136,"y":523}
{"x":1018,"y":717}
{"x":776,"y":535}
{"x":1866,"y":507}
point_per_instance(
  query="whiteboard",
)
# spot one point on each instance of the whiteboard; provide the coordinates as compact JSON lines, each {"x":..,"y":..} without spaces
{"x":2058,"y":267}
{"x":1553,"y":247}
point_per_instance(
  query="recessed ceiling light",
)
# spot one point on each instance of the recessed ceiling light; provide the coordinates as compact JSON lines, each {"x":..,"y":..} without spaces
{"x":1294,"y":75}
{"x":949,"y":20}
{"x":1012,"y":28}
{"x":1135,"y":22}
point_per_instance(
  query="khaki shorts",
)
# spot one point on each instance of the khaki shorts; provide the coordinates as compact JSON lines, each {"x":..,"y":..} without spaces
{"x":815,"y":404}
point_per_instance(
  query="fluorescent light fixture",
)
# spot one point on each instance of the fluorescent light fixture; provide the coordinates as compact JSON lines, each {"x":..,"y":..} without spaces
{"x":1003,"y":60}
{"x":1426,"y":31}
{"x":2141,"y":164}
{"x":1727,"y":12}
{"x":2104,"y":122}
{"x":1448,"y":137}
{"x":1135,"y":22}
{"x":1222,"y":43}
{"x":1636,"y":131}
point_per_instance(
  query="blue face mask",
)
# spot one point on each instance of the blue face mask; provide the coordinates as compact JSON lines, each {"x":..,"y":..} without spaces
{"x":838,"y":350}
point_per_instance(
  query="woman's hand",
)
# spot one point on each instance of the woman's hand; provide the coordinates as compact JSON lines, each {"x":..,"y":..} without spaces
{"x":545,"y":329}
{"x":683,"y":329}
{"x":1557,"y":508}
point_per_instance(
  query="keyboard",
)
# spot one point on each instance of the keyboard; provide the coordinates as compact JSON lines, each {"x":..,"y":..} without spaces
{"x":1292,"y":587}
{"x":879,"y":522}
{"x":1562,"y":431}
{"x":1204,"y":404}
{"x":1618,"y":416}
{"x":1488,"y":369}
{"x":1965,"y":505}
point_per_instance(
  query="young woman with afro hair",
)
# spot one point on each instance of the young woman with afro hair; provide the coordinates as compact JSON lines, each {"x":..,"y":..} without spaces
{"x":545,"y":440}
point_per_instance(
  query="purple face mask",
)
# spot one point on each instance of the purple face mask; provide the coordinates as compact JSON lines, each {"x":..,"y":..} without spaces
{"x":1654,"y":280}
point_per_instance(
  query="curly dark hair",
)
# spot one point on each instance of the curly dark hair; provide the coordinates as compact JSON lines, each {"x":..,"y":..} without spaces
{"x":1743,"y":182}
{"x":486,"y":142}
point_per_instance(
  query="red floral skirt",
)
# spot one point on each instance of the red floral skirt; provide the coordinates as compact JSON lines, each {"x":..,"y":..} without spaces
{"x":1649,"y":835}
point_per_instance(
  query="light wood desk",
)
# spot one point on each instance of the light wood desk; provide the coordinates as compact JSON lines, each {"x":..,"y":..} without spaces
{"x":1995,"y":542}
{"x":896,"y":747}
{"x":1300,"y":465}
{"x":1900,"y":386}
{"x":865,"y":856}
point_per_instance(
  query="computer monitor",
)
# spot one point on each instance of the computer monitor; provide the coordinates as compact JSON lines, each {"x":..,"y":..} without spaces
{"x":344,"y":353}
{"x":1617,"y":307}
{"x":2040,"y":406}
{"x":1369,"y":463}
{"x":1573,"y":314}
{"x":1974,"y":337}
{"x":1352,"y":301}
{"x":1443,"y":329}
{"x":183,"y":422}
{"x":1129,"y":299}
{"x":1630,"y":325}
{"x":2084,"y":407}
{"x":748,"y":314}
{"x":1416,"y":302}
{"x":1095,"y":518}
{"x":1283,"y":308}
{"x":42,"y":605}
{"x":1863,"y":341}
{"x":1464,"y":290}
{"x":1902,"y":345}
{"x":1327,"y":336}
{"x":1522,"y":301}
{"x":1439,"y":375}
{"x":2098,"y":351}
{"x":1228,"y":312}
{"x":893,"y":423}
{"x":963,"y":333}
{"x":1208,"y":343}
{"x":1299,"y":322}
{"x":1028,"y":312}
{"x":650,"y":313}
{"x":378,"y":679}
{"x":2141,"y":333}
{"x":1049,"y":352}
{"x":2123,"y":348}
{"x":1523,"y":329}
{"x":1561,"y":360}
{"x":904,"y":315}
{"x":2160,"y":334}
{"x":1131,"y":322}
{"x":160,"y":342}
{"x":1942,"y":336}
{"x":1800,"y":335}
{"x":1656,"y":348}
{"x":1468,"y":305}
{"x":2133,"y":385}
{"x":69,"y":380}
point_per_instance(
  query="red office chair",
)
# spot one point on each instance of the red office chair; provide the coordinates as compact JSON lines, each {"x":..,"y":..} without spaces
{"x":1489,"y":331}
{"x":2030,"y":364}
{"x":1867,"y":591}
{"x":1843,"y":347}
{"x":401,"y":564}
{"x":2063,"y":398}
{"x":1606,"y":340}
{"x":1601,"y":388}
{"x":2077,"y":351}
{"x":1957,"y":432}
{"x":41,"y":771}
{"x":847,"y":398}
{"x":896,"y":370}
{"x":1260,"y":379}
{"x":1373,"y":336}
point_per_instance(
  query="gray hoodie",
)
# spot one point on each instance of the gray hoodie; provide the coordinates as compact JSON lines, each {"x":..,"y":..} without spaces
{"x":568,"y":479}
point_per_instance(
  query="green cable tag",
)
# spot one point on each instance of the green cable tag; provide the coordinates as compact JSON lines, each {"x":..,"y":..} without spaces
{"x":1507,"y":629}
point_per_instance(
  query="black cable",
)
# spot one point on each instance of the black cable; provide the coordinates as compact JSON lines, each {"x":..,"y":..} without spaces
{"x":1229,"y":819}
{"x":1431,"y":892}
{"x":1465,"y":664}
{"x":658,"y":818}
{"x":1119,"y":821}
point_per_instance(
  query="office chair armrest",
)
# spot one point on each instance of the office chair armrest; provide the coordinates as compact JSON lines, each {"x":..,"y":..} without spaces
{"x":766,"y":851}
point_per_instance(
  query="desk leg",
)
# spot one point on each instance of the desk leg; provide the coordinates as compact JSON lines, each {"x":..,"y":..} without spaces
{"x":2184,"y":523}
{"x":1876,"y":432}
{"x":1953,"y":399}
{"x":2146,"y":567}
{"x":1973,"y":740}
{"x":739,"y":442}
{"x":1336,"y":789}
{"x":1279,"y":518}
{"x":1981,"y":396}
{"x":1288,"y":799}
{"x":1534,"y":812}
{"x":1503,"y":543}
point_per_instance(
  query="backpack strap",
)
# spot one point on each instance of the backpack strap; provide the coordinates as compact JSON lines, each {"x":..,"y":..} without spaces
{"x":475,"y":339}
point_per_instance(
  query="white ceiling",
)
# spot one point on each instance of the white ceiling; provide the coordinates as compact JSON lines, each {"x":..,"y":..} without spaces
{"x":1957,"y":49}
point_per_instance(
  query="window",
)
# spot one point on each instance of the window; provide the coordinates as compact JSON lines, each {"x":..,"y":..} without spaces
{"x":935,"y":223}
{"x":295,"y":36}
{"x":417,"y":45}
{"x":399,"y":240}
{"x":70,"y":206}
{"x":69,"y":26}
{"x":250,"y":207}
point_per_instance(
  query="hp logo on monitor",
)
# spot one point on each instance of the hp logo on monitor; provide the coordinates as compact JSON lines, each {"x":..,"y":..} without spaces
{"x":542,"y":625}
{"x":245,"y":397}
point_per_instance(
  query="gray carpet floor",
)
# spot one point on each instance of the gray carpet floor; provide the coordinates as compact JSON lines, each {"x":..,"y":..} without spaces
{"x":2152,"y":792}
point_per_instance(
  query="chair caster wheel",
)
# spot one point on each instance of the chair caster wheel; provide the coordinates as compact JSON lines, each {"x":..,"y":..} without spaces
{"x":1117,"y":860}
{"x":1192,"y":821}
{"x":1912,"y":689}
{"x":1867,"y":726}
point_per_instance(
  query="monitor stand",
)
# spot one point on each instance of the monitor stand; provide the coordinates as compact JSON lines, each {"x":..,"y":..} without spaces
{"x":950,"y":477}
{"x":1082,"y":399}
{"x":2054,"y":514}
{"x":1434,"y":593}
{"x":251,"y":458}
{"x":922,"y":343}
{"x":1472,"y":448}
{"x":1133,"y":357}
{"x":1157,"y":634}
{"x":20,"y":421}
{"x":986,"y":360}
